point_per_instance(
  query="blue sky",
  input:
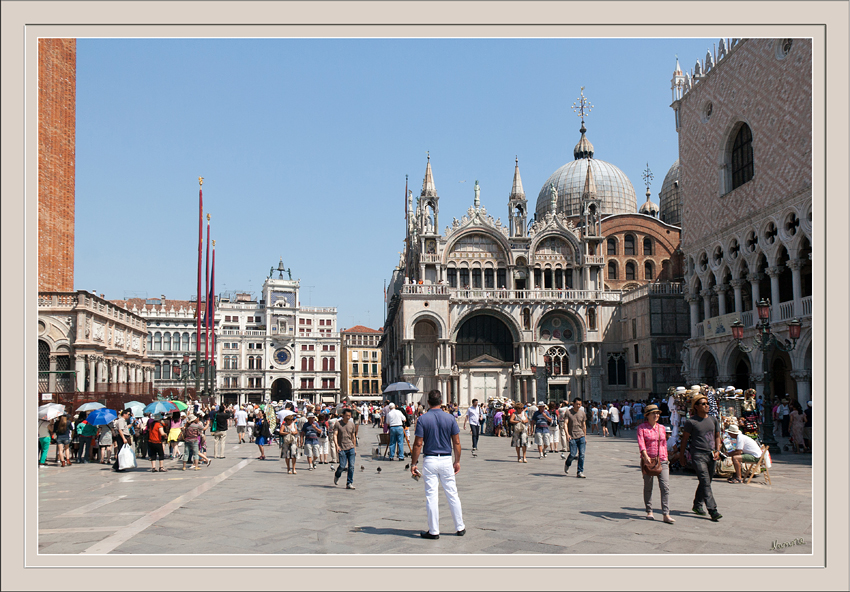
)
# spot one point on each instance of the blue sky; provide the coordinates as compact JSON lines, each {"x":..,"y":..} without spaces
{"x":304,"y":145}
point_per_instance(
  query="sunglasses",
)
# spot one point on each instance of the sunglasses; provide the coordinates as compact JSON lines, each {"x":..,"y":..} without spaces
{"x":703,"y":403}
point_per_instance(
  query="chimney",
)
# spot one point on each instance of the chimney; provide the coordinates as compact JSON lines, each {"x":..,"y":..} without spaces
{"x":162,"y":297}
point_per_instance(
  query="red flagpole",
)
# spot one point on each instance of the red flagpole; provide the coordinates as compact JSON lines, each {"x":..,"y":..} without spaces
{"x":198,"y":307}
{"x":207,"y":314}
{"x":211,"y":296}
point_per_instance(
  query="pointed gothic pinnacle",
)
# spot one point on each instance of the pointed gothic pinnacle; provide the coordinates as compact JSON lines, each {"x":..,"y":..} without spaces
{"x":517,"y":190}
{"x":589,"y":184}
{"x":428,"y":183}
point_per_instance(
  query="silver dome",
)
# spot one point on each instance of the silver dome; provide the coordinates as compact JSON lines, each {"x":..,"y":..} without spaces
{"x":670,"y":197}
{"x":613,"y":188}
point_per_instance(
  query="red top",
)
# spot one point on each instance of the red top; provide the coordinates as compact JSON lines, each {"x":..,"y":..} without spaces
{"x":154,"y":436}
{"x":653,"y":441}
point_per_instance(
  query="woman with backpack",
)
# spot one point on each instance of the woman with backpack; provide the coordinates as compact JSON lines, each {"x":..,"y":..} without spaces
{"x":156,"y":436}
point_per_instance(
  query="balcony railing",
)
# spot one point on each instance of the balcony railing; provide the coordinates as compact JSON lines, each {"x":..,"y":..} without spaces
{"x":786,"y":310}
{"x":428,"y":289}
{"x":747,"y":318}
{"x":665,"y":288}
{"x":429,"y":258}
{"x":536,"y":295}
{"x":594,"y":259}
{"x":806,"y":306}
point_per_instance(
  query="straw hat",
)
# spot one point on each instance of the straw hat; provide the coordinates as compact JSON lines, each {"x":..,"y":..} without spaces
{"x":681,"y":389}
{"x":650,"y":409}
{"x":733,"y":429}
{"x":695,"y":398}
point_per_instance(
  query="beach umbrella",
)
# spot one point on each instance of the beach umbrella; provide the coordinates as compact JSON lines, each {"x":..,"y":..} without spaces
{"x":136,"y":407}
{"x":101,"y":416}
{"x":90,"y":406}
{"x":160,"y":407}
{"x":50,"y":411}
{"x":181,"y":406}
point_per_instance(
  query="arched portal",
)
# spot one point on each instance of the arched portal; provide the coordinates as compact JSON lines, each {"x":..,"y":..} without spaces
{"x":484,"y":354}
{"x":281,"y":390}
{"x":425,"y":355}
{"x":708,"y":369}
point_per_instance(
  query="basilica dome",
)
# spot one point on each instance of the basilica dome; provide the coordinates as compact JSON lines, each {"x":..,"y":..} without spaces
{"x":671,"y":200}
{"x":613,"y":188}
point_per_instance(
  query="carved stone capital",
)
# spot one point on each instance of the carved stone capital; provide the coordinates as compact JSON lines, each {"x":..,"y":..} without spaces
{"x":796,"y":264}
{"x":774,"y":271}
{"x":706,"y":293}
{"x":720,"y":289}
{"x":692,"y":298}
{"x":737,"y":283}
{"x":801,"y":375}
{"x":754,"y":277}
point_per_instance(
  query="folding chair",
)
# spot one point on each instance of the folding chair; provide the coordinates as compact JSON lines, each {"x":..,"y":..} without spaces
{"x":756,"y":467}
{"x":384,"y":441}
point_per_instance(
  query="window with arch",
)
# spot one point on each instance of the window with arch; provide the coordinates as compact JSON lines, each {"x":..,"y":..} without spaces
{"x":150,"y":342}
{"x":194,"y":341}
{"x":741,"y":158}
{"x":630,"y":271}
{"x":647,"y":246}
{"x":488,"y":278}
{"x":464,"y":278}
{"x":648,"y":272}
{"x":303,"y":364}
{"x":501,"y":277}
{"x":234,"y":362}
{"x":484,"y":335}
{"x":185,"y":342}
{"x":612,"y":270}
{"x":451,"y":276}
{"x":617,"y":369}
{"x":476,"y":278}
{"x":325,"y":364}
{"x":526,"y":318}
{"x":166,"y":342}
{"x":557,"y":361}
{"x":612,"y":246}
{"x":332,"y":364}
{"x":629,"y":245}
{"x":166,"y":370}
{"x":157,"y":371}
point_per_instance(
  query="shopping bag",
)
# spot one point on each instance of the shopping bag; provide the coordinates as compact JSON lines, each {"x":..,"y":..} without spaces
{"x":126,"y":458}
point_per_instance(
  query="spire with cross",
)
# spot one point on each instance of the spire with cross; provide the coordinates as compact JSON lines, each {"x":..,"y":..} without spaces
{"x":582,"y":106}
{"x":647,"y":177}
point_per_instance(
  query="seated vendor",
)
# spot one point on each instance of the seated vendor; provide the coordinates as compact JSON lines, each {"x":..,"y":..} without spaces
{"x":746,"y":451}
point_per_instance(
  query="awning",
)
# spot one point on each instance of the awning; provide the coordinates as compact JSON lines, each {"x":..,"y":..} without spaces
{"x":376,"y":397}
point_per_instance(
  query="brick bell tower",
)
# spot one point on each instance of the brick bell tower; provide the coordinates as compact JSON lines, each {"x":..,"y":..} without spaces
{"x":57,"y":108}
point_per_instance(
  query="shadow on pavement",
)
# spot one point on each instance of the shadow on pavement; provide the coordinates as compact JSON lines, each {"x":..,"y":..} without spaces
{"x":613,"y":515}
{"x":401,"y":532}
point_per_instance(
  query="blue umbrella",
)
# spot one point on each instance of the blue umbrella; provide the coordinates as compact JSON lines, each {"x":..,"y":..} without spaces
{"x":160,"y":407}
{"x":101,"y":416}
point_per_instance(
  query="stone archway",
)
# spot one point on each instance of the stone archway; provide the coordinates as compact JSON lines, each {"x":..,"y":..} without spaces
{"x":425,"y":334}
{"x":707,"y":369}
{"x":281,"y":390}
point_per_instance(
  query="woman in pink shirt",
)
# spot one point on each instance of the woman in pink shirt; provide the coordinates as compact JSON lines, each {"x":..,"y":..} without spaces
{"x":652,"y":441}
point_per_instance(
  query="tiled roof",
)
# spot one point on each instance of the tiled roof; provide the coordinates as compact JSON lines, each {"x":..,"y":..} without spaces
{"x":360,"y":329}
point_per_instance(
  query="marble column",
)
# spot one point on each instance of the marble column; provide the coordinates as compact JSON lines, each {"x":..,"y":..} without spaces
{"x":693,"y":301}
{"x":720,"y":290}
{"x":739,"y":303}
{"x":804,"y":386}
{"x":80,"y":367}
{"x":774,"y":272}
{"x":706,"y":303}
{"x":754,"y":285}
{"x":51,"y":380}
{"x":796,"y":265}
{"x":92,"y":373}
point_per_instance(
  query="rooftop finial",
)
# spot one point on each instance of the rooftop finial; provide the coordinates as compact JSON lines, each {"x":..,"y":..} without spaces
{"x":201,"y":181}
{"x":647,"y":177}
{"x":582,"y":107}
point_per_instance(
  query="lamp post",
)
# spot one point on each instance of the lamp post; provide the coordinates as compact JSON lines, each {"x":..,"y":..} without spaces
{"x":764,"y":341}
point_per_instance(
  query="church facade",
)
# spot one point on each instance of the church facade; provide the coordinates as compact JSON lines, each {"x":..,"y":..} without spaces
{"x":530,"y":309}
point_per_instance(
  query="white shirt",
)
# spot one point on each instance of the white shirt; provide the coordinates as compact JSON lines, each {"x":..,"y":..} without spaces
{"x":747,"y":445}
{"x":241,"y":417}
{"x":395,"y":418}
{"x":473,"y":414}
{"x":615,"y":414}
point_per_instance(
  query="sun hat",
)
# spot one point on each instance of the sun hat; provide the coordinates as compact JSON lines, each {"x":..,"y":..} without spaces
{"x":739,"y":391}
{"x":192,"y":417}
{"x":681,"y":389}
{"x":696,"y":399}
{"x":182,"y":414}
{"x":651,"y":409}
{"x":733,"y":429}
{"x":309,"y":415}
{"x":668,"y":429}
{"x":695,"y":387}
{"x":730,"y":389}
{"x":392,"y":405}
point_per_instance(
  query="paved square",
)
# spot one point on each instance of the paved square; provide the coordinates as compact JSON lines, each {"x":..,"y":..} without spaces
{"x":244,"y":505}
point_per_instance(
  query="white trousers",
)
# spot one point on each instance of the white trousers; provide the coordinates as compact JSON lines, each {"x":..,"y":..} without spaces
{"x":439,"y":470}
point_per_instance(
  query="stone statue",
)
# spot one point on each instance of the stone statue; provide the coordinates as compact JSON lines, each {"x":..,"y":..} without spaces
{"x":685,"y":355}
{"x":271,"y":271}
{"x":477,"y":194}
{"x":554,"y":191}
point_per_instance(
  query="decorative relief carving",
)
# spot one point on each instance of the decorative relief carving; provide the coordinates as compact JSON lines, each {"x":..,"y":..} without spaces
{"x":136,"y":342}
{"x":98,"y":332}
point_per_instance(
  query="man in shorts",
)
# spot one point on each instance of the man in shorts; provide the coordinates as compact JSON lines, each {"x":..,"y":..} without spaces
{"x":541,"y":420}
{"x":241,"y":424}
{"x":310,"y":440}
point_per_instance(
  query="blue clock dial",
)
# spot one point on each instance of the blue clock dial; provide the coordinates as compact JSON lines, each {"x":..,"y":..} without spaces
{"x":281,"y":356}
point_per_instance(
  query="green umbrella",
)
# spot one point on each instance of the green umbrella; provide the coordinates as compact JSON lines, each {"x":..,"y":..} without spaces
{"x":181,"y":406}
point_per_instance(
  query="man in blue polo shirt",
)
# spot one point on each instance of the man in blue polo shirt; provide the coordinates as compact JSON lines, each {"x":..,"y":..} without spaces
{"x":437,"y":436}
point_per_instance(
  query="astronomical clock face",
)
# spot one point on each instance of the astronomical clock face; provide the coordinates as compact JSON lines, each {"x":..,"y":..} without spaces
{"x":281,"y":356}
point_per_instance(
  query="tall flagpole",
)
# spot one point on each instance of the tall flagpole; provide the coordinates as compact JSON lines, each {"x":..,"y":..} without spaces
{"x":198,"y":306}
{"x":211,"y":296}
{"x":207,"y":315}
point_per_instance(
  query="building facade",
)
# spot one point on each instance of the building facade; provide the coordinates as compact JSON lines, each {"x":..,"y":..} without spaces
{"x":89,"y":346}
{"x":361,"y":364}
{"x":525,"y":311}
{"x":266,"y":349}
{"x":744,"y":119}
